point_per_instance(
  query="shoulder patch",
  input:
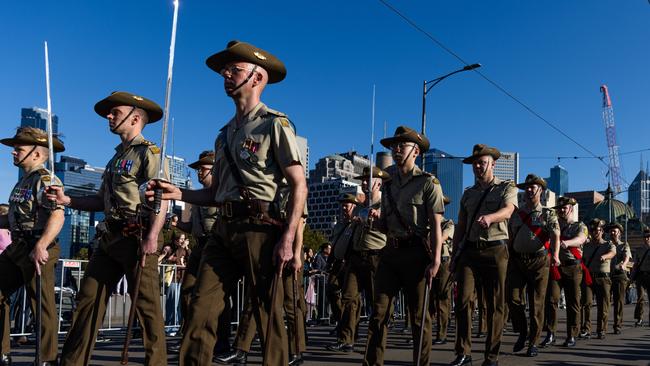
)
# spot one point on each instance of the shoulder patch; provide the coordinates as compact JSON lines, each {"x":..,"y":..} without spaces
{"x":275,"y":113}
{"x":154,"y":149}
{"x":435,"y":180}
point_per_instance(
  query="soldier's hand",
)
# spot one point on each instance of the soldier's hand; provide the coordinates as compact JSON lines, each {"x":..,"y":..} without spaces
{"x":602,"y":259}
{"x":169,"y":191}
{"x":55,"y":194}
{"x":485,"y":221}
{"x":373,"y":214}
{"x":282,"y":253}
{"x":39,"y":256}
{"x":431,"y":271}
{"x":555,"y":261}
{"x":296,"y":264}
{"x":148,"y":246}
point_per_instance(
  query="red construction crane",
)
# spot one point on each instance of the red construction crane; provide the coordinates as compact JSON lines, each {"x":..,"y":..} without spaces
{"x":615,"y":170}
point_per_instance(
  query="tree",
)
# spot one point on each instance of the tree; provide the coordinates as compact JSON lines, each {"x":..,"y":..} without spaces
{"x":313,"y":239}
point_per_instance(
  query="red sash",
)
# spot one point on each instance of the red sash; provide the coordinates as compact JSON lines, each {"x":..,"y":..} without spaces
{"x":585,"y":271}
{"x":543,"y":237}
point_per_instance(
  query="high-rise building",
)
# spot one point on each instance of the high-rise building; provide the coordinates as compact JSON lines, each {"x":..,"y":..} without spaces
{"x":180,"y":177}
{"x":322,"y":203}
{"x":586,"y":201}
{"x":639,"y":194}
{"x":507,"y":166}
{"x":449,"y":170}
{"x":37,"y":117}
{"x":346,"y":166}
{"x":79,"y":179}
{"x":303,"y":146}
{"x":558,"y":182}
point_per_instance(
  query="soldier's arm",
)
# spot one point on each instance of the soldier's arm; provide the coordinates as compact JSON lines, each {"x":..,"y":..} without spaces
{"x":295,"y":176}
{"x":91,"y":203}
{"x":610,"y":254}
{"x":52,"y":229}
{"x":580,"y":239}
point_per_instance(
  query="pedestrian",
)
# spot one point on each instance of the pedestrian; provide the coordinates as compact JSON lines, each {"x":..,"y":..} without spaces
{"x":534,"y":247}
{"x":641,"y":275}
{"x":597,"y":253}
{"x":481,"y":253}
{"x":572,"y":235}
{"x":120,"y":251}
{"x":258,"y":151}
{"x":34,"y":223}
{"x":619,"y":272}
{"x":411,"y":213}
{"x":440,"y":305}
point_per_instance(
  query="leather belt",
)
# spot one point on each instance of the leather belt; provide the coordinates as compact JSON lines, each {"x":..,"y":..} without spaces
{"x":408,"y":242}
{"x":538,"y":254}
{"x":484,"y":244}
{"x":600,"y":275}
{"x":571,"y":262}
{"x":617,"y":272}
{"x":26,"y":234}
{"x":257,"y":209}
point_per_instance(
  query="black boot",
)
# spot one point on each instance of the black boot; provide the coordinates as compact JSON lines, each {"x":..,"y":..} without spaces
{"x":295,"y":360}
{"x":5,"y":360}
{"x":461,"y":360}
{"x":340,"y":347}
{"x":234,"y":357}
{"x":548,"y":341}
{"x":520,"y":343}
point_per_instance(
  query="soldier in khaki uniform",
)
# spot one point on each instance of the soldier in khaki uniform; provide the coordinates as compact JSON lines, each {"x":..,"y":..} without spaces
{"x":361,"y":263}
{"x":201,"y":221}
{"x":135,"y":162}
{"x":597,"y":254}
{"x":642,"y":276}
{"x":535,"y":242}
{"x":257,"y":151}
{"x":34,"y":225}
{"x":619,"y":273}
{"x":411,"y":213}
{"x":481,"y":252}
{"x":440,"y":304}
{"x":572,"y":235}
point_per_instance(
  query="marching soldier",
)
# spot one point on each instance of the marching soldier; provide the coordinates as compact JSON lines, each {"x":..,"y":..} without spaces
{"x":641,"y":274}
{"x":34,"y":223}
{"x":535,"y":234}
{"x":362,"y":260}
{"x":411,"y":213}
{"x":485,"y":209}
{"x":572,"y":235}
{"x":135,"y":162}
{"x":598,"y":254}
{"x":440,"y":304}
{"x":201,"y":221}
{"x":619,"y":273}
{"x":259,"y":150}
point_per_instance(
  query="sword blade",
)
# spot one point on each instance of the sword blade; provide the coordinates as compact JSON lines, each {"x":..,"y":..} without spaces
{"x":50,"y":141}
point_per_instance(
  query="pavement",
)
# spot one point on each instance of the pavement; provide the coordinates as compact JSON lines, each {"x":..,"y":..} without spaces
{"x":632,"y":347}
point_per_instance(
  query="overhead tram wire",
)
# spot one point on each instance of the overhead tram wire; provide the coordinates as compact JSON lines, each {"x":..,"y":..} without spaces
{"x":490,"y":81}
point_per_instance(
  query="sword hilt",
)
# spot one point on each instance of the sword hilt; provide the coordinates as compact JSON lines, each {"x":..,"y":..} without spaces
{"x":157,"y":200}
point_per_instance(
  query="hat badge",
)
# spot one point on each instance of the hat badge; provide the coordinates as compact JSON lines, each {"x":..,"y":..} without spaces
{"x":259,"y":55}
{"x":41,"y":139}
{"x":138,"y":98}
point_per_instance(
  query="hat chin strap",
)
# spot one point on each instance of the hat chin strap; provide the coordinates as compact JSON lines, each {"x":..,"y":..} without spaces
{"x":246,"y":80}
{"x":123,"y":120}
{"x":26,"y":156}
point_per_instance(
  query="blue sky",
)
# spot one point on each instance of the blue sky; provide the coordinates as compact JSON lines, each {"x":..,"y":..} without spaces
{"x":553,"y":55}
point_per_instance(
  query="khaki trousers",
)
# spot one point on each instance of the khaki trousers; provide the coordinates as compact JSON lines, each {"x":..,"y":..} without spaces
{"x":440,"y":304}
{"x":619,"y":285}
{"x":642,"y":290}
{"x":116,"y":256}
{"x":570,"y":283}
{"x":247,"y":324}
{"x":399,"y":268}
{"x":490,"y":266}
{"x":359,"y":276}
{"x":601,"y":288}
{"x":528,"y":276}
{"x":16,"y":270}
{"x":236,"y":247}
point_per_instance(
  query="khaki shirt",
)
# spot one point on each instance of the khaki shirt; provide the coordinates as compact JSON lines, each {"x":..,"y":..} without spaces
{"x":202,"y":220}
{"x":570,"y":231}
{"x":622,"y":251}
{"x":638,"y":256}
{"x":592,"y":251}
{"x":129,"y":168}
{"x":525,"y":240}
{"x":501,"y":194}
{"x":412,"y":196}
{"x":447,"y":228}
{"x":368,"y":239}
{"x":26,"y":211}
{"x":261,"y":146}
{"x":342,"y":234}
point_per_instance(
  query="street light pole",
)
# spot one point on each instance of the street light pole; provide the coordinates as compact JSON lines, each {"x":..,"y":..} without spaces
{"x":426,"y":87}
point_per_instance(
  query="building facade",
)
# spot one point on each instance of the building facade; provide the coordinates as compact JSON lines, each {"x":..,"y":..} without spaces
{"x":179,"y":174}
{"x":322,"y":203}
{"x":79,"y":179}
{"x":345,"y":166}
{"x":37,"y":117}
{"x":507,"y":166}
{"x":449,"y":170}
{"x":586,"y":201}
{"x":558,"y":182}
{"x":639,"y":194}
